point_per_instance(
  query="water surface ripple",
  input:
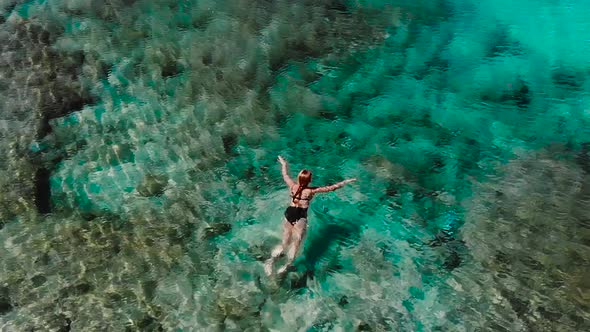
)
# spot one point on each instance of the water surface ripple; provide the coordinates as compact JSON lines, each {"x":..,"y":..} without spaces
{"x":141,"y":190}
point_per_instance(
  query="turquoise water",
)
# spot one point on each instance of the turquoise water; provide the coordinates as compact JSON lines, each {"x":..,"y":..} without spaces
{"x":141,"y":190}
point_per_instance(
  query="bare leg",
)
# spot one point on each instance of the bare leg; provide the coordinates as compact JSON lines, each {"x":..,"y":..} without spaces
{"x":287,"y":237}
{"x":298,"y":235}
{"x":278,"y":250}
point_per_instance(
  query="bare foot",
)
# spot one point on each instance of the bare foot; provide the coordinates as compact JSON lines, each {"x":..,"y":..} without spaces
{"x":283,"y":269}
{"x":268,"y":267}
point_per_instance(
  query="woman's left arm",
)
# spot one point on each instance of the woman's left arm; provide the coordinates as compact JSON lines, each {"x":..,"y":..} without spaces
{"x":285,"y":172}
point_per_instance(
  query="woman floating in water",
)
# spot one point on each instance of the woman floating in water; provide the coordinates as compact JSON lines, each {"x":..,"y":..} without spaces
{"x":295,"y":222}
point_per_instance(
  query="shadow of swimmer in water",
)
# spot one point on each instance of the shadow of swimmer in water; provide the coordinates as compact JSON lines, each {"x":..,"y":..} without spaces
{"x":321,"y":253}
{"x":295,"y":221}
{"x":331,"y":232}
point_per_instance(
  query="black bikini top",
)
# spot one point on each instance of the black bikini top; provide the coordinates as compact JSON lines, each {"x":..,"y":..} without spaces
{"x":293,"y":198}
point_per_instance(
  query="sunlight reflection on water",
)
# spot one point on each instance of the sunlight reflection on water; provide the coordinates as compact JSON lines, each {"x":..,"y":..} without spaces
{"x":143,"y":192}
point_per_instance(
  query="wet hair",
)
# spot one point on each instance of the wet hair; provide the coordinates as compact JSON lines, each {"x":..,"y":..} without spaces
{"x":303,"y":180}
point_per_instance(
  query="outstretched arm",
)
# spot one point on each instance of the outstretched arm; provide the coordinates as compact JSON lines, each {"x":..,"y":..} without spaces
{"x":285,"y":172}
{"x":332,"y":187}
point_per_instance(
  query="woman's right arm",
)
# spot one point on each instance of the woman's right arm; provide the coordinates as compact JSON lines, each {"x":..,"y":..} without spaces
{"x":332,"y":187}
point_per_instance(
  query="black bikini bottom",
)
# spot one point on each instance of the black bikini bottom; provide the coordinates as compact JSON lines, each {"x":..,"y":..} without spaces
{"x":294,"y":213}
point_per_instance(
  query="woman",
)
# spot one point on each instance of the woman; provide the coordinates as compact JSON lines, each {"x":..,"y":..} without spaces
{"x":295,"y":222}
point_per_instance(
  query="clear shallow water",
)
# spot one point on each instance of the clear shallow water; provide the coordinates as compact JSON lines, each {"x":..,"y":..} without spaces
{"x":141,"y":189}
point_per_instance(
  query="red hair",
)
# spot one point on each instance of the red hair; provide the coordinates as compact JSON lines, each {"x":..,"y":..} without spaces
{"x":303,"y":180}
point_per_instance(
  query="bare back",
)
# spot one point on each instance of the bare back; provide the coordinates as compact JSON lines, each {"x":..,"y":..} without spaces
{"x":303,"y":199}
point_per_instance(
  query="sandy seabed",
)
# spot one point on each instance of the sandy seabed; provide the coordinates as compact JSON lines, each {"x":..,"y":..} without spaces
{"x":140,"y":188}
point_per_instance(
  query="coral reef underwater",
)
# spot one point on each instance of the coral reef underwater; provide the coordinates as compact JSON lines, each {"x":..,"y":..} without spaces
{"x":140,"y":188}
